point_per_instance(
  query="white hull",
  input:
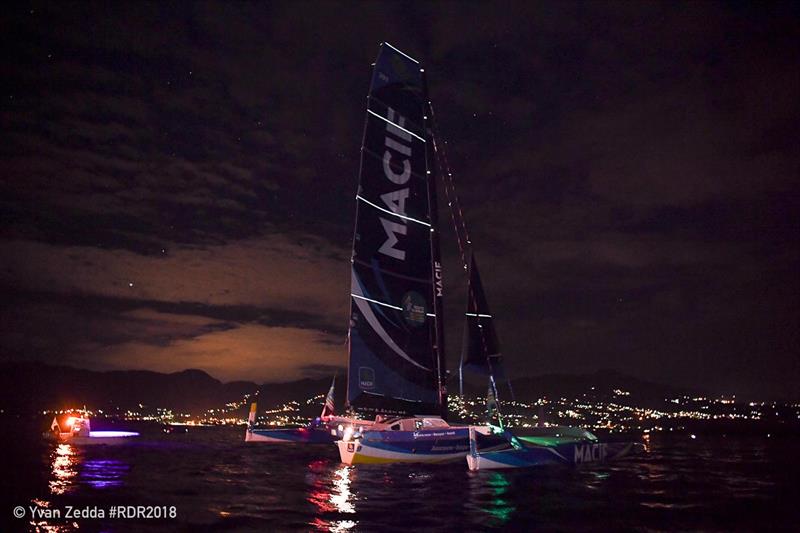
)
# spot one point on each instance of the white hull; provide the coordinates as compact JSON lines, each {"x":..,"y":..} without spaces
{"x":98,"y":441}
{"x":249,"y":436}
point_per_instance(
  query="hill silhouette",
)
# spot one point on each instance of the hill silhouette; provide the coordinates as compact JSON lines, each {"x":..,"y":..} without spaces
{"x":28,"y":386}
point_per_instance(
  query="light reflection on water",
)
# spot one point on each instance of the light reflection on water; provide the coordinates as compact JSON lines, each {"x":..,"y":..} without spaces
{"x":63,"y":469}
{"x":319,"y":495}
{"x":63,"y":472}
{"x":330,"y":493}
{"x":42,"y":525}
{"x":489,"y":494}
{"x":69,"y":470}
{"x":218,"y":482}
{"x":103,"y":473}
{"x":499,"y":507}
{"x":341,"y":497}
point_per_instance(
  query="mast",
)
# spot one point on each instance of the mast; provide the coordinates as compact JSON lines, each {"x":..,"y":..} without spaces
{"x":436,"y":260}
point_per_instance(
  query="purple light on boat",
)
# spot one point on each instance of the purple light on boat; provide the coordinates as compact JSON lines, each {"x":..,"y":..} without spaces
{"x":112,"y":434}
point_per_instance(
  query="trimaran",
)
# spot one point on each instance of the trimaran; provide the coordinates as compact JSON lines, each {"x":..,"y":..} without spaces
{"x":396,"y":370}
{"x":396,"y":380}
{"x":327,"y":428}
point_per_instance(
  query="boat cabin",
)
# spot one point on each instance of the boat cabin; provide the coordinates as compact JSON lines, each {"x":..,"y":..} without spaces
{"x":409,"y":424}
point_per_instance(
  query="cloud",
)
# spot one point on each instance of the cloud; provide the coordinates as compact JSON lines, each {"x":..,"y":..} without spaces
{"x":628,"y":176}
{"x":271,"y":272}
{"x":234,"y":310}
{"x":255,"y":352}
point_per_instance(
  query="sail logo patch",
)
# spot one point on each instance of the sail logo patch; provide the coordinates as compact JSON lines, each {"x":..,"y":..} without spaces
{"x":366,"y":377}
{"x":414,"y":310}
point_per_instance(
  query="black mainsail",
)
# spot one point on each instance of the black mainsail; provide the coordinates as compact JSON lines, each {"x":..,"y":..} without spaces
{"x":396,"y":362}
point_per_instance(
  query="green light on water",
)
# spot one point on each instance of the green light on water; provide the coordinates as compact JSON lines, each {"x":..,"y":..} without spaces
{"x":500,"y":508}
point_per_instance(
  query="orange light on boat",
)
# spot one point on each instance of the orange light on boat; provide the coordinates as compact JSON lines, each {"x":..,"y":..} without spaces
{"x":70,"y":421}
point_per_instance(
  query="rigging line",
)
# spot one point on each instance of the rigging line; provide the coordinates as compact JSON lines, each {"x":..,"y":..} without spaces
{"x":450,"y":183}
{"x":460,"y":224}
{"x":459,"y":229}
{"x":446,"y":162}
{"x":455,"y":200}
{"x":450,"y":205}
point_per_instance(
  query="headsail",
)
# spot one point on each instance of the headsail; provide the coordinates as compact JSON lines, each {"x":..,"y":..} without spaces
{"x":481,"y":348}
{"x":491,"y":403}
{"x":251,"y":417}
{"x":329,"y":408}
{"x":395,"y":357}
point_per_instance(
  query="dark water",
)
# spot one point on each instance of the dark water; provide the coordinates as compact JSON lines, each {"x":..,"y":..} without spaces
{"x":218,"y":483}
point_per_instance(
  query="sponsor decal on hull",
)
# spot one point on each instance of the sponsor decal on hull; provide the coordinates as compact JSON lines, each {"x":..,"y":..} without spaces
{"x":590,"y":453}
{"x":539,"y":456}
{"x":358,"y":453}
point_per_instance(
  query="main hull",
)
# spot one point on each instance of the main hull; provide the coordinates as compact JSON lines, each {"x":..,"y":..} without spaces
{"x":440,"y":445}
{"x":356,"y":452}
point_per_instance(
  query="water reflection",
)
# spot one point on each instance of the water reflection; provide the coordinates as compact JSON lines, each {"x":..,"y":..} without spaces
{"x":341,"y":525}
{"x":342,"y":498}
{"x":330,"y":494}
{"x":594,"y":479}
{"x":490,"y":494}
{"x":44,"y":527}
{"x":39,"y":525}
{"x":63,"y":462}
{"x":319,"y":495}
{"x":500,"y":508}
{"x":104,"y":473}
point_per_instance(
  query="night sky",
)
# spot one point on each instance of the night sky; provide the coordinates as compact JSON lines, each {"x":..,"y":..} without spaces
{"x":178,"y":183}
